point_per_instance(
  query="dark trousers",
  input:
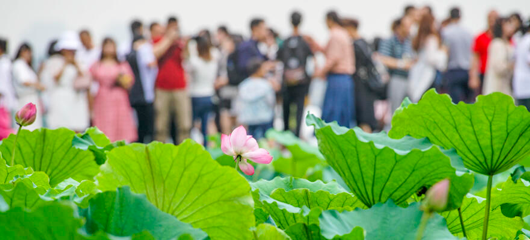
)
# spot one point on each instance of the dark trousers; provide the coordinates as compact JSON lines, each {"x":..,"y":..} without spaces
{"x":258,"y":130}
{"x":457,"y":84}
{"x":294,"y":94}
{"x":524,"y":102}
{"x":146,"y":122}
{"x":201,"y":108}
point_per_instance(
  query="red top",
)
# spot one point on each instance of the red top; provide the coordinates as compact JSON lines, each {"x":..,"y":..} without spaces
{"x":171,"y":75}
{"x":480,"y":47}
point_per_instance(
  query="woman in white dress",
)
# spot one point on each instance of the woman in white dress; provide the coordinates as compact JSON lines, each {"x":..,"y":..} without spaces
{"x":67,"y":86}
{"x":27,"y":85}
{"x":432,"y":56}
{"x":499,"y":68}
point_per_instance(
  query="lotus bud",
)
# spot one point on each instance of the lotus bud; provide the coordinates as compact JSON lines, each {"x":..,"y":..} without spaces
{"x":27,"y":115}
{"x":436,"y":196}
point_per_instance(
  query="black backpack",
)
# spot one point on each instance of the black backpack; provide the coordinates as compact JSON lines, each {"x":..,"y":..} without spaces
{"x":136,"y":94}
{"x":294,"y":55}
{"x":234,"y":76}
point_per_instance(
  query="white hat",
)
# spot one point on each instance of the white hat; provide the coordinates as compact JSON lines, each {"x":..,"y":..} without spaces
{"x":69,"y":41}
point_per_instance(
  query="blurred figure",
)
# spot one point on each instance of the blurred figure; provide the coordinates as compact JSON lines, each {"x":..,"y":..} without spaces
{"x":293,"y":54}
{"x":172,"y":98}
{"x":519,"y":31}
{"x":397,"y":55}
{"x":142,"y":93}
{"x":368,"y":85}
{"x":413,"y":15}
{"x":87,"y":54}
{"x":479,"y":58}
{"x":112,"y":112}
{"x":203,"y":73}
{"x":458,"y":39}
{"x":271,"y":45}
{"x":8,"y":101}
{"x":256,"y":100}
{"x":499,"y":69}
{"x":432,"y":57}
{"x":249,"y":49}
{"x":137,"y":29}
{"x":27,"y":84}
{"x":339,"y":67}
{"x":521,"y":78}
{"x":67,"y":84}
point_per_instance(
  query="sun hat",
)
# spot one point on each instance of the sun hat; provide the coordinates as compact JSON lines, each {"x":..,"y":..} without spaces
{"x":68,"y":41}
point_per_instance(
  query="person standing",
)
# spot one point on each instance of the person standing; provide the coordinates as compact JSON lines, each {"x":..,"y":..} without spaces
{"x":8,"y":101}
{"x":112,"y":112}
{"x":499,"y":68}
{"x":27,"y":84}
{"x":432,"y":57}
{"x":87,"y":54}
{"x":171,"y":95}
{"x":338,"y":69}
{"x":143,"y":64}
{"x":294,"y":54}
{"x":249,"y":49}
{"x":397,"y":55}
{"x":521,"y":78}
{"x":368,"y":85}
{"x":67,"y":84}
{"x":479,"y":58}
{"x":458,"y":40}
{"x":203,"y":69}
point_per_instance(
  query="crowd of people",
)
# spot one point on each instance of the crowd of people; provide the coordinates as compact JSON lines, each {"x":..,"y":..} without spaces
{"x":163,"y":83}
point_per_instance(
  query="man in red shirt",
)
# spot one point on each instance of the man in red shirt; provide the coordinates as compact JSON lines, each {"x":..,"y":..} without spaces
{"x":171,"y":96}
{"x":480,"y":54}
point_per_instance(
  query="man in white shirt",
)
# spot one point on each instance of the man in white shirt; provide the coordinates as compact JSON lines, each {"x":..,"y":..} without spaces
{"x":521,"y":77}
{"x":88,"y":54}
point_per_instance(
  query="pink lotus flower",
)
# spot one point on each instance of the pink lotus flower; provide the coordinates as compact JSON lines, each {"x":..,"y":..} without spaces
{"x":436,"y":196}
{"x":27,"y":115}
{"x":244,"y":147}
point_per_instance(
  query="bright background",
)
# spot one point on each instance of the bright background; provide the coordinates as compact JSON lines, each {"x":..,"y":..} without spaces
{"x":38,"y":21}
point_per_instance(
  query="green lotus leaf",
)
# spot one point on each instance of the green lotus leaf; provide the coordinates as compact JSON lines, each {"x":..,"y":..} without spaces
{"x":51,"y":152}
{"x":383,"y":221}
{"x":21,"y":194}
{"x":377,"y":168}
{"x":123,"y":213}
{"x":490,"y":135}
{"x":266,"y":231}
{"x":500,"y":226}
{"x":185,"y":182}
{"x":513,"y":198}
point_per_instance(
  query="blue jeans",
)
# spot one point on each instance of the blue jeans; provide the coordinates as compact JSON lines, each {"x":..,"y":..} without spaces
{"x":456,"y":81}
{"x":201,"y":108}
{"x":258,"y":130}
{"x":339,"y":100}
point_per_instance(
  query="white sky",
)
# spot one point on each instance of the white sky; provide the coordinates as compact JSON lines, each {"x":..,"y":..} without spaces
{"x":38,"y":21}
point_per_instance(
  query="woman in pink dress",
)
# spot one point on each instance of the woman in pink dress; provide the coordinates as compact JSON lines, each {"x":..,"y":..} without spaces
{"x":112,"y":111}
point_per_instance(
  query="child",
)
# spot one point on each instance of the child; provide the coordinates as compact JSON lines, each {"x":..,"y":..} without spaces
{"x":256,"y":100}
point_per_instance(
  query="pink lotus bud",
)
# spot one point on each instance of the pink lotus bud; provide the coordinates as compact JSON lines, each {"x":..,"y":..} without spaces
{"x":27,"y":115}
{"x":244,"y":147}
{"x":436,"y":196}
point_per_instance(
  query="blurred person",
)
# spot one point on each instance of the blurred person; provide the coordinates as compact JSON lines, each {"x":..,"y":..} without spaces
{"x":249,"y":49}
{"x":519,"y":31}
{"x":66,"y":86}
{"x":368,"y":85}
{"x":256,"y":100}
{"x":203,"y":73}
{"x":458,"y":40}
{"x":414,"y":15}
{"x":499,"y":68}
{"x":143,"y":64}
{"x":338,"y":69}
{"x":112,"y":111}
{"x":87,"y":54}
{"x":294,"y":54}
{"x":172,"y":98}
{"x":432,"y":57}
{"x":27,"y":84}
{"x":222,"y":35}
{"x":271,"y":45}
{"x":8,"y":101}
{"x":479,"y":58}
{"x":397,"y":55}
{"x":521,"y":78}
{"x":137,"y":29}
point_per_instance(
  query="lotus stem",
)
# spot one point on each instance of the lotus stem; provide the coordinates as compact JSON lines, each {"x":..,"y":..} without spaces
{"x":15,"y":146}
{"x":423,"y":224}
{"x":487,"y":213}
{"x":462,"y":221}
{"x":237,"y":161}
